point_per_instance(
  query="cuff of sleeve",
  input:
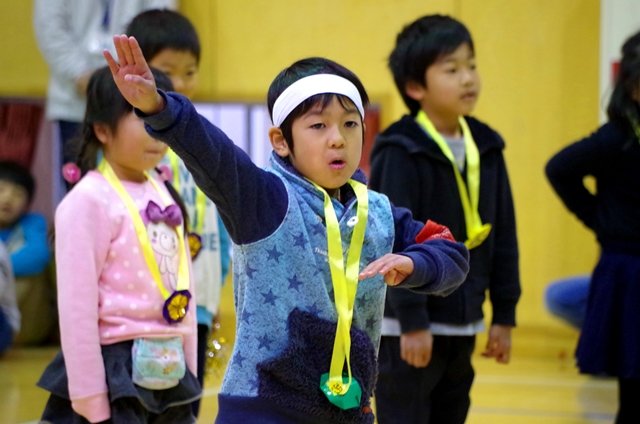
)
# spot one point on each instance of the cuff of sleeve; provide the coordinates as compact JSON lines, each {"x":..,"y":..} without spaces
{"x":414,"y":319}
{"x":163,"y":119}
{"x":94,"y":408}
{"x":505,"y":315}
{"x":422,"y":271}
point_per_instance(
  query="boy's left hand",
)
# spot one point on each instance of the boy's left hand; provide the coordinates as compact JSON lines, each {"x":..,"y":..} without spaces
{"x":499,"y":344}
{"x":394,"y":268}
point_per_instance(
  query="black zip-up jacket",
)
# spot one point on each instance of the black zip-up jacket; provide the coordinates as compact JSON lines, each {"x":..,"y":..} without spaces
{"x":409,"y":167}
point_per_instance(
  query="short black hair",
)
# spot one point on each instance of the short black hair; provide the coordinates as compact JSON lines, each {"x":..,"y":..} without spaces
{"x":304,"y":68}
{"x":18,"y":174}
{"x":160,"y":29}
{"x":419,"y":45}
{"x":623,"y":108}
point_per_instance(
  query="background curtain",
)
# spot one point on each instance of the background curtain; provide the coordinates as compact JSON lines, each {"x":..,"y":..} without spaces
{"x":19,"y":126}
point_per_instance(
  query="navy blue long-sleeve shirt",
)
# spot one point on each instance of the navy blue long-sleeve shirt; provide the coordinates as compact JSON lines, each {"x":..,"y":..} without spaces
{"x":611,"y":156}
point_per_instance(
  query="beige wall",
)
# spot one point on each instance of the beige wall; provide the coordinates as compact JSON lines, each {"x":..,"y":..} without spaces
{"x":538,"y":60}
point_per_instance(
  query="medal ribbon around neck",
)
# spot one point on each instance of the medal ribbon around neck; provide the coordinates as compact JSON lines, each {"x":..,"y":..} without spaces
{"x":176,"y":303}
{"x":344,"y":392}
{"x":195,"y":240}
{"x":477,"y":232}
{"x":634,"y":125}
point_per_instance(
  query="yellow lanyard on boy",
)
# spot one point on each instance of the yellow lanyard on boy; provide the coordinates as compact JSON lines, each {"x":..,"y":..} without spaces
{"x":177,"y":303}
{"x":344,"y":392}
{"x":195,"y":237}
{"x":477,"y":232}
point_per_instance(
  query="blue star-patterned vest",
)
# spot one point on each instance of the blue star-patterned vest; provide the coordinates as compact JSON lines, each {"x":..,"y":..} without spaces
{"x":289,"y":269}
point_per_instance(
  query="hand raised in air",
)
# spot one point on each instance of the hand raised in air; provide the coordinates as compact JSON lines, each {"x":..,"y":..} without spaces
{"x":132,"y":75}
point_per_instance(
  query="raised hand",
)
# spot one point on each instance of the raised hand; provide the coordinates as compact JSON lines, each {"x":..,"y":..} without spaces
{"x":132,"y":75}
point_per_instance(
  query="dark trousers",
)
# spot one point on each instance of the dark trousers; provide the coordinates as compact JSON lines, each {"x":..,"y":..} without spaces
{"x":436,"y":394}
{"x":629,"y":398}
{"x":203,"y":340}
{"x":6,"y":332}
{"x":68,"y":131}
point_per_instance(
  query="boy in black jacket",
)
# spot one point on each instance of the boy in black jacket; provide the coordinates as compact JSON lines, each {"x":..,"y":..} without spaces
{"x":443,"y":164}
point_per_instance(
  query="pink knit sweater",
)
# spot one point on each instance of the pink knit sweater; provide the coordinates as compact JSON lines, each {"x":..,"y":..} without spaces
{"x":106,"y":293}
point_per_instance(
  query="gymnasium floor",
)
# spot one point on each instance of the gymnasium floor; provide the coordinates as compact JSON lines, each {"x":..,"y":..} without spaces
{"x":540,"y":385}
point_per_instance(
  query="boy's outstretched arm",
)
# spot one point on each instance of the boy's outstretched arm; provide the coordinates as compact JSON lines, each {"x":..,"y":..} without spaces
{"x":435,"y":267}
{"x":425,"y":257}
{"x":133,"y":76}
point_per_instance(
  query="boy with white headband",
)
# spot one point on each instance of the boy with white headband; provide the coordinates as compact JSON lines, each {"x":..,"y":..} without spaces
{"x":312,"y":246}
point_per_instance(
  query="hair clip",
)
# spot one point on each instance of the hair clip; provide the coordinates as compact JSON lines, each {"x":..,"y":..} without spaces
{"x":71,"y":173}
{"x":165,"y":173}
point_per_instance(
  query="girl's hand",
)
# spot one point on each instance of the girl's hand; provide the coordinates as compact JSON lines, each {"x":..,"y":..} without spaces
{"x":133,"y":76}
{"x":395,"y":268}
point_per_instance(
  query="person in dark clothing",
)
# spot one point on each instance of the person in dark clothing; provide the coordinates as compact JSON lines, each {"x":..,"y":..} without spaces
{"x":441,"y":163}
{"x":609,"y":342}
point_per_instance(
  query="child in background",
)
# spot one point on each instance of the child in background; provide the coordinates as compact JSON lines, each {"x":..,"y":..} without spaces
{"x":56,"y":23}
{"x":170,"y":43}
{"x":566,"y":298}
{"x":128,"y":332}
{"x":291,"y":363}
{"x":610,"y":338}
{"x":444,"y":165}
{"x":24,"y":234}
{"x":9,"y":313}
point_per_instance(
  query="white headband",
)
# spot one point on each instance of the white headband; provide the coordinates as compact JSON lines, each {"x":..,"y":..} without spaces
{"x":309,"y":86}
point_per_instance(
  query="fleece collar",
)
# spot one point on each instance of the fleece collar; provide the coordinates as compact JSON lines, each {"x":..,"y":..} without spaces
{"x":283,"y":167}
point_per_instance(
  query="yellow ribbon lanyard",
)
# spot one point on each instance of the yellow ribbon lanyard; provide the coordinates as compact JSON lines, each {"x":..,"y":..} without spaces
{"x":201,"y":199}
{"x":345,"y":282}
{"x":477,"y":232}
{"x":143,"y":236}
{"x":634,"y":125}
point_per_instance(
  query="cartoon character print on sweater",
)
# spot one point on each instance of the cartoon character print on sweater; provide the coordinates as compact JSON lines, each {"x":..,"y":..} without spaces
{"x":161,"y":224}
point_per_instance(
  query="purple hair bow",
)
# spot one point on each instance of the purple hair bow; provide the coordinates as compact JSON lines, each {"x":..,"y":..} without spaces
{"x":171,"y":215}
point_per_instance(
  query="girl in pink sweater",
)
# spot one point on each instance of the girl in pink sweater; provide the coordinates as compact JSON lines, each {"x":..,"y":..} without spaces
{"x":125,"y":300}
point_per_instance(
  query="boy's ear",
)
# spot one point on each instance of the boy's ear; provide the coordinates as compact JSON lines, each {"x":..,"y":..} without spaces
{"x":102,"y":132}
{"x":278,"y":142}
{"x":415,"y":90}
